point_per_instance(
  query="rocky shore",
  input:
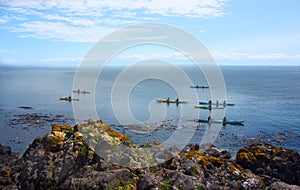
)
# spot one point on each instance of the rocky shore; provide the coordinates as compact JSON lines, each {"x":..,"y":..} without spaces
{"x":71,"y":157}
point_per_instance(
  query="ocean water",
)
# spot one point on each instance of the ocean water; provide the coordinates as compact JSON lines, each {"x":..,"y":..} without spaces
{"x":265,"y":97}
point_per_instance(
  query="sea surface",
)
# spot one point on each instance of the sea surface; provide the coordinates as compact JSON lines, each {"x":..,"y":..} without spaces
{"x":266,"y":98}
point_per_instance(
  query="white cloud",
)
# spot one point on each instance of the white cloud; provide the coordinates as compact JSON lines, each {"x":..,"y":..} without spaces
{"x":7,"y":51}
{"x":62,"y":59}
{"x":2,"y":21}
{"x":249,"y":56}
{"x":141,"y":57}
{"x":9,"y":61}
{"x":195,"y":8}
{"x":61,"y":31}
{"x":87,"y":21}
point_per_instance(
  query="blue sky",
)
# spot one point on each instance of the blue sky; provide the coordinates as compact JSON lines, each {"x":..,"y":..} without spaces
{"x":59,"y":33}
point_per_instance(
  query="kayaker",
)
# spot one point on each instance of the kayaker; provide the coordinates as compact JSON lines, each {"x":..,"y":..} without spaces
{"x":224,"y":120}
{"x":209,"y":118}
{"x":209,"y":106}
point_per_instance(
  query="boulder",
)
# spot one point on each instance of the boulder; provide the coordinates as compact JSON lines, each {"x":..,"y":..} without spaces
{"x":271,"y":160}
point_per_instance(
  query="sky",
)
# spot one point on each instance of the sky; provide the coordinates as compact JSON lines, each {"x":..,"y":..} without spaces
{"x":236,"y":32}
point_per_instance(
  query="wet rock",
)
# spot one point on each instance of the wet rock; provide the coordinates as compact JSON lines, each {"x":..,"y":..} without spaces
{"x":271,"y":160}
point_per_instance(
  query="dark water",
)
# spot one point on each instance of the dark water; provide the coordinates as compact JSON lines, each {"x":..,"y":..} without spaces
{"x":266,"y":98}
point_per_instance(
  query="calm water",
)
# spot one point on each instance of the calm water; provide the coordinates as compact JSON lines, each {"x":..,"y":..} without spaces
{"x":266,"y":98}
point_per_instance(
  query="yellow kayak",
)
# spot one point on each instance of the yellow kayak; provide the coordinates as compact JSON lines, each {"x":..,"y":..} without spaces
{"x":68,"y":99}
{"x":172,"y":101}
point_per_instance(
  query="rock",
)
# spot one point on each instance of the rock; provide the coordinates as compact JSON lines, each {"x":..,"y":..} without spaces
{"x":177,"y":179}
{"x":225,"y":154}
{"x":281,"y":185}
{"x":149,"y":181}
{"x":5,"y":154}
{"x":54,"y":141}
{"x":251,"y":183}
{"x":71,"y":158}
{"x":7,"y":165}
{"x":271,"y":160}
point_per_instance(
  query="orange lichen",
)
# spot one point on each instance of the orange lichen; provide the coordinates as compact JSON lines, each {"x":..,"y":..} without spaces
{"x":246,"y":157}
{"x":106,"y":127}
{"x":78,"y":135}
{"x":277,"y":151}
{"x":65,"y":128}
{"x":194,"y":154}
{"x":215,"y":161}
{"x":54,"y":139}
{"x":5,"y":172}
{"x":234,"y":168}
{"x":118,"y":136}
{"x":260,"y":152}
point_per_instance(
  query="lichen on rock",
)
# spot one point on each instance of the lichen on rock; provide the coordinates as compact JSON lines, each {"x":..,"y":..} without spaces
{"x":72,"y":158}
{"x":274,"y":161}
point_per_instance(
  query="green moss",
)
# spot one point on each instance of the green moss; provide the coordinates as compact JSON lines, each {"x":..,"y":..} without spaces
{"x":150,"y":161}
{"x":193,"y":171}
{"x":93,"y":168}
{"x":87,"y":131}
{"x":114,"y":147}
{"x":165,"y":185}
{"x":84,"y":149}
{"x":123,"y":185}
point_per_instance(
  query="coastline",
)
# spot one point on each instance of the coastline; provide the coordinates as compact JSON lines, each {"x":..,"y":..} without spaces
{"x":64,"y":159}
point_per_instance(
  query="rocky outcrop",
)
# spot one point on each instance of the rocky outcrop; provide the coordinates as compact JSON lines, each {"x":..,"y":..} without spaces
{"x":67,"y":158}
{"x":7,"y":162}
{"x":274,"y":161}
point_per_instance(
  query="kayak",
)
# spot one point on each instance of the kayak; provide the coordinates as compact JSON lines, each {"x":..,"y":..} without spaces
{"x":230,"y":122}
{"x":67,"y":99}
{"x":80,"y":91}
{"x":215,"y":103}
{"x":198,"y":86}
{"x":171,"y":101}
{"x":210,"y":107}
